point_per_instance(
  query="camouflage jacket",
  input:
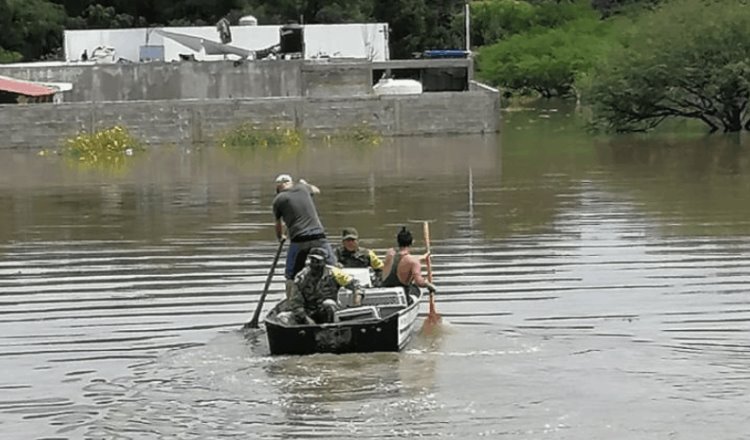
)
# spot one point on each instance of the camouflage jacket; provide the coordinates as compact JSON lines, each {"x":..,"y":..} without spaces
{"x":360,"y":258}
{"x":307,"y":295}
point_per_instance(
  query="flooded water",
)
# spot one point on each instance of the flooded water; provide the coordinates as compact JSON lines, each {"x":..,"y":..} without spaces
{"x":591,"y":288}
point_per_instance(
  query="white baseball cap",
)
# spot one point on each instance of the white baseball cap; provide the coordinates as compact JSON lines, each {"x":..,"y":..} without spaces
{"x":283,"y":178}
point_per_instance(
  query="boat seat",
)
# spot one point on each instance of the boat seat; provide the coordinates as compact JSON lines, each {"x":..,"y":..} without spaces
{"x":384,"y":296}
{"x":380,"y":296}
{"x":356,"y":313}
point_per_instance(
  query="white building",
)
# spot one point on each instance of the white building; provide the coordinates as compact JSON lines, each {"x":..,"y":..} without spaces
{"x":363,"y":41}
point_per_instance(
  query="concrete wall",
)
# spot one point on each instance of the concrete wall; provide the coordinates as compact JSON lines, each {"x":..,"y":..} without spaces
{"x":222,"y":79}
{"x":327,"y":80}
{"x":182,"y":121}
{"x":159,"y":81}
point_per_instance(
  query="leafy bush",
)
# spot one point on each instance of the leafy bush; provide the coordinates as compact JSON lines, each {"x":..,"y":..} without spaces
{"x":689,"y":59}
{"x":109,"y":147}
{"x":360,"y":134}
{"x":546,"y":61}
{"x":496,"y":20}
{"x":36,"y":27}
{"x":7,"y":56}
{"x":249,"y":135}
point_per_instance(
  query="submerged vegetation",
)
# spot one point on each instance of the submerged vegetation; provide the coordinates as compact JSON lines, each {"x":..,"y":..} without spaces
{"x":251,"y":136}
{"x":108,"y":148}
{"x":360,"y":134}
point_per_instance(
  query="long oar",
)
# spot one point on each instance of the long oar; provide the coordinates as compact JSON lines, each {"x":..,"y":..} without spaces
{"x":432,"y":317}
{"x":254,"y":322}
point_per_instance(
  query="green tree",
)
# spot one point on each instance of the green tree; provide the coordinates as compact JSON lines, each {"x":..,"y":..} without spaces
{"x":546,"y":61}
{"x":439,"y":30}
{"x":406,"y":19}
{"x":689,"y":59}
{"x":7,"y":37}
{"x":103,"y":17}
{"x":7,"y":56}
{"x":310,"y":11}
{"x":345,"y":11}
{"x":35,"y":28}
{"x":494,"y":20}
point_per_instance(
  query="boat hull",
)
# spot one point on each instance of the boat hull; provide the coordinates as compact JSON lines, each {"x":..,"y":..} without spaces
{"x":391,"y":333}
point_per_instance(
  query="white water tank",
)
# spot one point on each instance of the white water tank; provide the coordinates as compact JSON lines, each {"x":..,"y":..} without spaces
{"x":248,"y":20}
{"x":390,"y":86}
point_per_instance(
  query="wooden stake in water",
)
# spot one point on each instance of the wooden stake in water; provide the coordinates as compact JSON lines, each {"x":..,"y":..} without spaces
{"x":433,"y":318}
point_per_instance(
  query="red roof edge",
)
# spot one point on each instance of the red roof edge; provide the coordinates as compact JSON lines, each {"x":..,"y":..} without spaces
{"x":24,"y":87}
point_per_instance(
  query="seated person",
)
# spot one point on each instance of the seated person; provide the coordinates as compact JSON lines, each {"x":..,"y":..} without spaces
{"x":314,"y":293}
{"x":350,"y":254}
{"x":403,"y":269}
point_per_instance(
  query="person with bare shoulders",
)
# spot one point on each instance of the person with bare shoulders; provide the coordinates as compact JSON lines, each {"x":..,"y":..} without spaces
{"x":402,"y":269}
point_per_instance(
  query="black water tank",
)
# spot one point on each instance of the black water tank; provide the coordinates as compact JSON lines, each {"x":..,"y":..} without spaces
{"x":292,"y":39}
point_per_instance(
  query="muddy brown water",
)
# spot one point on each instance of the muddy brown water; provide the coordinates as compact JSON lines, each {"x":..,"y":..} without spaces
{"x":591,"y":288}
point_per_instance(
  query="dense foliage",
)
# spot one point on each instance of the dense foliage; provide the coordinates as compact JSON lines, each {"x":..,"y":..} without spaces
{"x":496,"y":20}
{"x":546,"y":60}
{"x":32,"y":28}
{"x":690,"y":60}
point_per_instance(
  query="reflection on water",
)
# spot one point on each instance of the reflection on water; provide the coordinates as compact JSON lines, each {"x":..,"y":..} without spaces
{"x":591,"y":288}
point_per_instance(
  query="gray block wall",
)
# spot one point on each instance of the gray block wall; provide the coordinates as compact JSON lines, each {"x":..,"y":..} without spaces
{"x":201,"y":80}
{"x":203,"y":121}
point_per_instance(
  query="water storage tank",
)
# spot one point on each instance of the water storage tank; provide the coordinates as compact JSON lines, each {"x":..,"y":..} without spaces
{"x":389,"y":86}
{"x":292,"y":39}
{"x":248,"y":20}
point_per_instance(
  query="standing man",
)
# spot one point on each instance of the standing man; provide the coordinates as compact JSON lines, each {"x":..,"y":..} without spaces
{"x":350,"y":254}
{"x":402,"y":269}
{"x":295,"y":206}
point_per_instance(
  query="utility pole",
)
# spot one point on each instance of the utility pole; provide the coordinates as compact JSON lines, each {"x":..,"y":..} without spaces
{"x":467,"y":23}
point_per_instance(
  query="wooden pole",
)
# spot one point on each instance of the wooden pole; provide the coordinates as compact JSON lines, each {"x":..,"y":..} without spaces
{"x":254,"y":322}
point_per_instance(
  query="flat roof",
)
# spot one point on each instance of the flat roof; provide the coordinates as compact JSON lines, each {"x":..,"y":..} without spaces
{"x":26,"y":88}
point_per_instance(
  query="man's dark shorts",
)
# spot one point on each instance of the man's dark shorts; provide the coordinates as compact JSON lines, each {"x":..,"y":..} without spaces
{"x":297,"y":255}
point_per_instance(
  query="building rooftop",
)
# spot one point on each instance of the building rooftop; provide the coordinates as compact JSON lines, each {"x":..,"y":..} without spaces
{"x":25,"y":88}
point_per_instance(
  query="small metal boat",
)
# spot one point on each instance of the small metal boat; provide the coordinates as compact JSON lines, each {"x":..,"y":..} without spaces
{"x":383,"y":322}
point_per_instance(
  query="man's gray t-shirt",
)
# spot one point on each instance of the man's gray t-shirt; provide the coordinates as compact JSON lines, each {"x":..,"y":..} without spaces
{"x":297,"y":208}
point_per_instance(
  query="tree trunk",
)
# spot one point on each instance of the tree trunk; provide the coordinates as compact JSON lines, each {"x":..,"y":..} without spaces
{"x":733,"y":120}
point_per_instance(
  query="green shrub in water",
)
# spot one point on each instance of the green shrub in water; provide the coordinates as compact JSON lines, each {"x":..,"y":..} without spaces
{"x":109,"y":147}
{"x":248,"y":135}
{"x":360,"y":134}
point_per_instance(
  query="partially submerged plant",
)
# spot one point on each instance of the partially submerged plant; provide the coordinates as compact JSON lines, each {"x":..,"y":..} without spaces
{"x":109,"y":147}
{"x":248,"y":135}
{"x":360,"y":134}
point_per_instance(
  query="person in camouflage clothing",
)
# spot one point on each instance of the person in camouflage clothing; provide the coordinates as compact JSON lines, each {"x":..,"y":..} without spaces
{"x":350,"y":254}
{"x":315,"y":291}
